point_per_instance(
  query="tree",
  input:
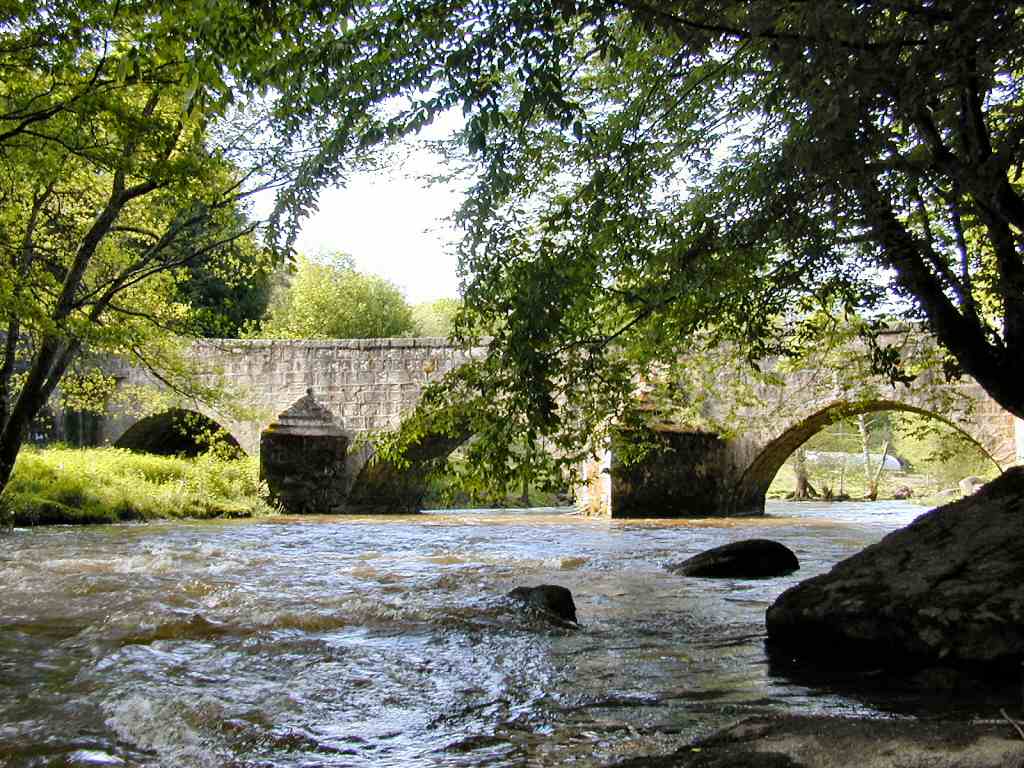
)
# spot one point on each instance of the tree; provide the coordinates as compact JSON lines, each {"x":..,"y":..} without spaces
{"x":435,"y":318}
{"x":871,"y":474}
{"x":658,"y":175}
{"x":803,"y":490}
{"x":230,"y":296}
{"x":329,"y":299}
{"x":119,"y":182}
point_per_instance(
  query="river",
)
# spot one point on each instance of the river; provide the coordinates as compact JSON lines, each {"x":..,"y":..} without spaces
{"x":385,"y":641}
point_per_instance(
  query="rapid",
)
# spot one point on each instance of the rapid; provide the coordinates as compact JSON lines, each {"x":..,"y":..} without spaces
{"x":387,"y":641}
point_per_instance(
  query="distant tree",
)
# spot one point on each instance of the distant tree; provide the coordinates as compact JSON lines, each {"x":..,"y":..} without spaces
{"x":226,"y":302}
{"x":804,"y":490}
{"x":329,"y":299}
{"x":435,"y":318}
{"x":871,"y":474}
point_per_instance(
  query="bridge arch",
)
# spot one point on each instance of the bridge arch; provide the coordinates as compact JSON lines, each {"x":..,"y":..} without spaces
{"x":174,"y":432}
{"x":758,"y":475}
{"x":382,"y":486}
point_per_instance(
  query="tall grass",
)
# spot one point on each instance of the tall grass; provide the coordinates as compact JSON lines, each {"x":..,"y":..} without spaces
{"x":105,"y":485}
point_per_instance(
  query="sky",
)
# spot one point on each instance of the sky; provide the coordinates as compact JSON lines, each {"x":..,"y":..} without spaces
{"x":393,"y":223}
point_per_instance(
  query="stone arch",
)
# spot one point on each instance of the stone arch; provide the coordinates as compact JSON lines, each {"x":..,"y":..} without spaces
{"x":761,"y":471}
{"x":381,"y":486}
{"x":173,"y":432}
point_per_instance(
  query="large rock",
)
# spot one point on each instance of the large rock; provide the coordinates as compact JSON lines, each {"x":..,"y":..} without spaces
{"x":795,"y":741}
{"x":551,"y":599}
{"x":749,"y":559}
{"x":947,"y":590}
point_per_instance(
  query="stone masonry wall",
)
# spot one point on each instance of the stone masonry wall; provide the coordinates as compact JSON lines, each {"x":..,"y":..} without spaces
{"x":367,"y":384}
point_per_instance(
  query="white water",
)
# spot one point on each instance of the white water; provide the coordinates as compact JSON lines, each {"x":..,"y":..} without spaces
{"x":386,"y":641}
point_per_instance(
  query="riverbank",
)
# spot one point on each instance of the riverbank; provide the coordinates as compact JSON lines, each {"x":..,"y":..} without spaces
{"x":55,"y":486}
{"x":829,"y":742}
{"x":920,"y":489}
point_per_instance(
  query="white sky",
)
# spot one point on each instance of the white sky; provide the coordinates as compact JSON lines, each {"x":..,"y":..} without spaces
{"x":393,"y":224}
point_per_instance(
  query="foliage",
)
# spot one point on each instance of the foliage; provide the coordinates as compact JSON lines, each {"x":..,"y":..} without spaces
{"x":126,"y":158}
{"x":940,"y":453}
{"x":329,"y":299}
{"x":107,"y":485}
{"x":225,"y":302}
{"x":655,"y":176}
{"x":435,"y":318}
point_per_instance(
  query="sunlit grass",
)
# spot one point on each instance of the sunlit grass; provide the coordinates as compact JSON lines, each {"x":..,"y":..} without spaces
{"x":106,"y":485}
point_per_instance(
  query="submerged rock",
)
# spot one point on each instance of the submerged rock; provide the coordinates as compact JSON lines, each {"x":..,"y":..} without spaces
{"x":944,"y":591}
{"x":549,"y":598}
{"x":903,"y":492}
{"x":749,"y":559}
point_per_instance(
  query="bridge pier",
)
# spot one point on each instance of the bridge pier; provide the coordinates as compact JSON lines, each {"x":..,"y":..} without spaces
{"x":311,"y":465}
{"x":302,"y":458}
{"x":684,"y":474}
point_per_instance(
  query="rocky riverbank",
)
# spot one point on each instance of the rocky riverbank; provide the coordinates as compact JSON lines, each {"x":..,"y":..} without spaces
{"x":826,"y":742}
{"x":942,"y":594}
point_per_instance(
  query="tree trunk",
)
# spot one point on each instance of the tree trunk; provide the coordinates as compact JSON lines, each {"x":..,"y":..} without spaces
{"x":48,"y":367}
{"x":862,"y":427}
{"x":804,"y":490}
{"x":873,"y":482}
{"x":998,"y":368}
{"x":524,"y":498}
{"x":871,"y":476}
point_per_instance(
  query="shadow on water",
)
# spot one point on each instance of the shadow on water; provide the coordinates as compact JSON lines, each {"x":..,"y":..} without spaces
{"x":905,"y":687}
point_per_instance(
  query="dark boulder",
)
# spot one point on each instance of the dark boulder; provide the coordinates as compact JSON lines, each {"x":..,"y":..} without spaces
{"x":549,"y":598}
{"x":944,"y":591}
{"x":795,"y":741}
{"x":750,"y":559}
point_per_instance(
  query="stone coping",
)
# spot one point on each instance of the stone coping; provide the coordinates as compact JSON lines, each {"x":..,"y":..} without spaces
{"x":429,"y":342}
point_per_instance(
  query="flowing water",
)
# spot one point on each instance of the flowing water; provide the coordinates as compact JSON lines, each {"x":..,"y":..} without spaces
{"x":386,"y":641}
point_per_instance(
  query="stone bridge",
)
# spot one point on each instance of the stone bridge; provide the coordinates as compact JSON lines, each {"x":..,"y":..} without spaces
{"x":723,"y":454}
{"x":309,"y":407}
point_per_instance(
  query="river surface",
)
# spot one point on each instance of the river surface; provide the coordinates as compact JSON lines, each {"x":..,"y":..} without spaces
{"x":386,"y":641}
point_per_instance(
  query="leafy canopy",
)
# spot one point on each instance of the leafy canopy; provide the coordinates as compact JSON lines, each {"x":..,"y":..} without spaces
{"x":436,"y":318}
{"x":655,"y":176}
{"x":127,"y":153}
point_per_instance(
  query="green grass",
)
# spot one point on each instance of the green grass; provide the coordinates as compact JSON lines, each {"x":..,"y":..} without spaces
{"x":108,"y":485}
